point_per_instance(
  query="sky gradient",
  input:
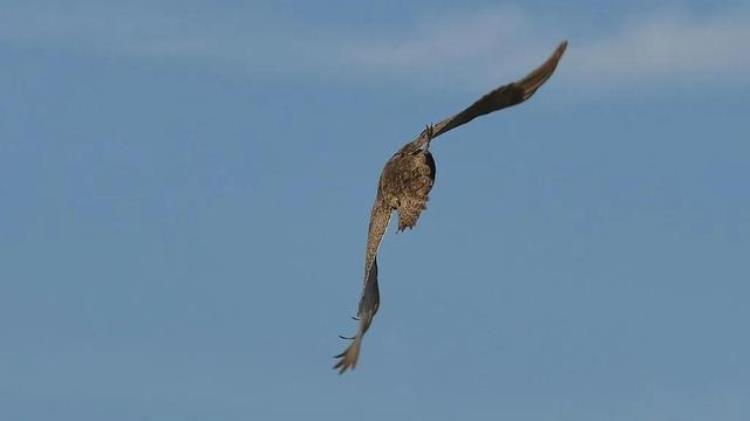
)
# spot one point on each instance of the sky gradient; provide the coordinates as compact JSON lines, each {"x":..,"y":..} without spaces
{"x":185,"y":189}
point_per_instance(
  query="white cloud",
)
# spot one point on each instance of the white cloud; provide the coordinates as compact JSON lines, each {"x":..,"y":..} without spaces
{"x":665,"y":47}
{"x":468,"y":51}
{"x":471,"y":51}
{"x":241,"y":42}
{"x":439,"y":40}
{"x":495,"y":46}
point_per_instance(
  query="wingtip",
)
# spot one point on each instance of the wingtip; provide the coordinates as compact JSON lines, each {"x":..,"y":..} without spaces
{"x":347,"y":360}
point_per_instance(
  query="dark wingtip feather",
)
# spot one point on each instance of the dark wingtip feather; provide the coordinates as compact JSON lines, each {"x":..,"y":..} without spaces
{"x":539,"y":76}
{"x":348,"y":358}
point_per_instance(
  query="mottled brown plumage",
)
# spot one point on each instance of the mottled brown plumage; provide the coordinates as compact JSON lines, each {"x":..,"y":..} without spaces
{"x":407,"y":179}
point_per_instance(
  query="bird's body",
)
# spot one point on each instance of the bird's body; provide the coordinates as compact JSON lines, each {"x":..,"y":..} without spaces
{"x":407,"y":179}
{"x":406,"y":183}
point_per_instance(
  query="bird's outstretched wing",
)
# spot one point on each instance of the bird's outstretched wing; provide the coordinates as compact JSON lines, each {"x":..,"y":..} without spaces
{"x":370,"y":300}
{"x":505,"y":96}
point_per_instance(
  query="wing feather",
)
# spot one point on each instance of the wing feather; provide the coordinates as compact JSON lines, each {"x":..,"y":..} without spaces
{"x":503,"y":97}
{"x":370,"y":299}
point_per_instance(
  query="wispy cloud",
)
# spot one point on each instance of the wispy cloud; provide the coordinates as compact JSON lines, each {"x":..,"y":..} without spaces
{"x":470,"y":50}
{"x":668,"y":46}
{"x":439,"y":40}
{"x":241,"y":42}
{"x":492,"y":45}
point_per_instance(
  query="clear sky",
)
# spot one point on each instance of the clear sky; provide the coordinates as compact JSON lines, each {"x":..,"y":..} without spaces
{"x":185,"y":188}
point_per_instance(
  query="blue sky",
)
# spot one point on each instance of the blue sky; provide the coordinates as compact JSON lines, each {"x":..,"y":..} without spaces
{"x":185,"y":189}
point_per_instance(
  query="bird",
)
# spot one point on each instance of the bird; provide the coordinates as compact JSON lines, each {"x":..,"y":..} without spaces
{"x":406,"y":181}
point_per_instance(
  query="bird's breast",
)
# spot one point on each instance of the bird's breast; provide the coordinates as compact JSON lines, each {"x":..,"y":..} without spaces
{"x":406,"y":183}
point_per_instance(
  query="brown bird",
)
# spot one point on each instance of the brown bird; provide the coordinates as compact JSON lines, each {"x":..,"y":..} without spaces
{"x":407,"y":179}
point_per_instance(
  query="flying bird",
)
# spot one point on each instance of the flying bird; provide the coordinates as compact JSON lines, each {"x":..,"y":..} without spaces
{"x":406,"y":181}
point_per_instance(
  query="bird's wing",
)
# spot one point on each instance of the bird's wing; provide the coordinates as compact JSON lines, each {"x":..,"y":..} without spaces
{"x":505,"y":96}
{"x":370,"y":300}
